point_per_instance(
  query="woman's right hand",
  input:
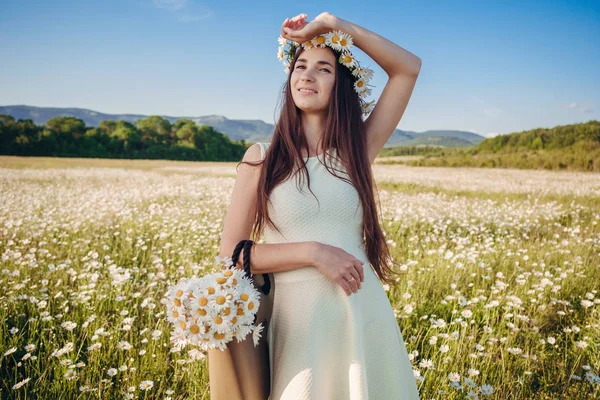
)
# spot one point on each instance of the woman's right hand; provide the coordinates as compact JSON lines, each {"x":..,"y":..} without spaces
{"x":339,"y":266}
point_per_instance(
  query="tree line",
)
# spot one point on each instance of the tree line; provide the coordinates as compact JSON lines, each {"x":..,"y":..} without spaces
{"x":567,"y":147}
{"x":150,"y":138}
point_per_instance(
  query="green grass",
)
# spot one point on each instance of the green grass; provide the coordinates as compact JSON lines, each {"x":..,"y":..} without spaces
{"x":67,"y":238}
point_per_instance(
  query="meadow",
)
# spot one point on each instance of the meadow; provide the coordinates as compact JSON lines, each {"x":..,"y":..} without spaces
{"x":498,"y":298}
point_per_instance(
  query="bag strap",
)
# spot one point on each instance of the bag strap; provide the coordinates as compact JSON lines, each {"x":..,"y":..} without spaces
{"x":246,"y":245}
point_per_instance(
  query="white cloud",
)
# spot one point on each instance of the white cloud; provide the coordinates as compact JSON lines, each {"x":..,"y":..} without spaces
{"x":492,"y":134}
{"x":580,"y":107}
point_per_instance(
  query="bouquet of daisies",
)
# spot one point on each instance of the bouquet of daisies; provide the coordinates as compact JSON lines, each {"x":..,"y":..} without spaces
{"x":210,"y":311}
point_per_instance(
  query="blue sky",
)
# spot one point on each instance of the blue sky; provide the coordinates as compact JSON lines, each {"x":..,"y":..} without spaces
{"x":488,"y":67}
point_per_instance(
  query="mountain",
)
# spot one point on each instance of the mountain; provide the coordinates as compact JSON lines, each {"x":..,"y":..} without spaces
{"x":250,"y":130}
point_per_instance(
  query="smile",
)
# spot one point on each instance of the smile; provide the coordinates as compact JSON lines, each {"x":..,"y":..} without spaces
{"x":307,"y":91}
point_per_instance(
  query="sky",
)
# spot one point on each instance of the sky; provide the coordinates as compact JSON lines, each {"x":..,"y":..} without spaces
{"x":488,"y":67}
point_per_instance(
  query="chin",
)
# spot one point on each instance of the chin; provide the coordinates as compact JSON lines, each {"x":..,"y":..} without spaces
{"x":311,"y":109}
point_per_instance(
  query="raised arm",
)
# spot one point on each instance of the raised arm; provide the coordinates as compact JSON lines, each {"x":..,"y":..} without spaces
{"x":401,"y":66}
{"x":239,"y":220}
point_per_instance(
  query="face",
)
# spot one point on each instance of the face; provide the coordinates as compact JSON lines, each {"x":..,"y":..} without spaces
{"x":313,"y":79}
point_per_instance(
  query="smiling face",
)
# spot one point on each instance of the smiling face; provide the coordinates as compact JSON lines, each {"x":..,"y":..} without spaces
{"x":313,"y":79}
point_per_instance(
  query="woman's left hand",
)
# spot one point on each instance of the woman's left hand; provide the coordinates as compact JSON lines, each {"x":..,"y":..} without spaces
{"x":299,"y":31}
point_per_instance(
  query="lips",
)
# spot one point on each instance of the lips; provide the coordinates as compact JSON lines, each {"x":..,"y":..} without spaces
{"x":307,"y":90}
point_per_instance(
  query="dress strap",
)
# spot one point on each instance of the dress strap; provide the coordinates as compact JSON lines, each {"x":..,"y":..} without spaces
{"x":263,"y":148}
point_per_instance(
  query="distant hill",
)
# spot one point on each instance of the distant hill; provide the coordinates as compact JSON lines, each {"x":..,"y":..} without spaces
{"x":569,"y":147}
{"x":249,"y":130}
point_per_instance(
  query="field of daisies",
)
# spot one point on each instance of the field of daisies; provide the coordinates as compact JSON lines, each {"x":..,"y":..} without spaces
{"x":499,"y":298}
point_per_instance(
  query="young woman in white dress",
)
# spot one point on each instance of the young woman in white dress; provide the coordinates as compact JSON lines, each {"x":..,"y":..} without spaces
{"x":332,"y":334}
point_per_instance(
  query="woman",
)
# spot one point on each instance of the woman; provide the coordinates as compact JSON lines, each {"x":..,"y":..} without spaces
{"x":332,"y":333}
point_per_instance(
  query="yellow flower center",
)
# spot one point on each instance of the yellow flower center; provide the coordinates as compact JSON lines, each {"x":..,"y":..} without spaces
{"x":221,"y":300}
{"x":218,"y":320}
{"x":343,"y":42}
{"x":219,"y":336}
{"x":228,"y":273}
{"x":244,"y":297}
{"x":195,"y":329}
{"x":251,"y":305}
{"x":360,"y":83}
{"x":177,"y":302}
{"x":182,"y":324}
{"x":240,"y":311}
{"x":347,"y":59}
{"x":211,"y":290}
{"x":227,"y":311}
{"x":321,"y":39}
{"x":221,"y":280}
{"x":335,"y":39}
{"x":203,"y":301}
{"x":234,"y":282}
{"x":201,"y":312}
{"x":179,"y":293}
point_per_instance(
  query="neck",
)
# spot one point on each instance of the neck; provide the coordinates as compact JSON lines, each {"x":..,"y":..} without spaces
{"x":314,"y":126}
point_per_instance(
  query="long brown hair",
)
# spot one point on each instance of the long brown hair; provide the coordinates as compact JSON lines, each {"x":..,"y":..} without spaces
{"x":345,"y":132}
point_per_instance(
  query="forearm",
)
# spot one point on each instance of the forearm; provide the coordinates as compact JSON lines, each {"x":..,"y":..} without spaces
{"x":277,"y":257}
{"x":393,"y":59}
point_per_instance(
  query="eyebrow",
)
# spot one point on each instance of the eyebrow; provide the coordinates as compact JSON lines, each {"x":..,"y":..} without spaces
{"x":318,"y":62}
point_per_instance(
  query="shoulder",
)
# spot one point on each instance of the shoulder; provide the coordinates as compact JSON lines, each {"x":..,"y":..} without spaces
{"x":253,"y":153}
{"x":256,"y":152}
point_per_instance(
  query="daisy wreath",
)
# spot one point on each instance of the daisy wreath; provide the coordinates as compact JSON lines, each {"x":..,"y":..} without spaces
{"x":342,"y":43}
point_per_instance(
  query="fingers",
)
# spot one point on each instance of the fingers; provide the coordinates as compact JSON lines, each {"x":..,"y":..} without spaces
{"x":345,"y":286}
{"x":360,"y":269}
{"x":299,"y":17}
{"x":354,"y":274}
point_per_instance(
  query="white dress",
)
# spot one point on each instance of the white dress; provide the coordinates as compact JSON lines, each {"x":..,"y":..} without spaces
{"x":324,"y":344}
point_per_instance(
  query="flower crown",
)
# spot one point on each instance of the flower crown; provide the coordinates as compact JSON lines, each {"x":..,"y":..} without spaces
{"x":341,"y":42}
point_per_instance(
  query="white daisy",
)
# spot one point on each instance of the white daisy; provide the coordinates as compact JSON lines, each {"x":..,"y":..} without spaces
{"x":70,"y":374}
{"x":195,"y":331}
{"x":256,"y":333}
{"x":282,"y":42}
{"x":347,"y":59}
{"x":223,"y":298}
{"x":454,"y":377}
{"x":220,"y":340}
{"x":364,"y":73}
{"x":332,"y":39}
{"x":366,"y":92}
{"x":196,"y":355}
{"x":178,"y":339}
{"x":242,"y":332}
{"x":368,"y":107}
{"x":124,"y":345}
{"x":220,"y":324}
{"x":320,"y":41}
{"x":309,"y":44}
{"x":345,"y":41}
{"x":360,"y":85}
{"x":146,"y":385}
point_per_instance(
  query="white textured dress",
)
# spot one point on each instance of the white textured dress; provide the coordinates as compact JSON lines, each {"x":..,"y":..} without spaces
{"x":324,"y":344}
